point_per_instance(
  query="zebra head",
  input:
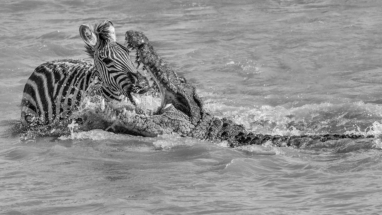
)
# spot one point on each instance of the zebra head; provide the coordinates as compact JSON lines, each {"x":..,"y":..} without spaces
{"x":117,"y":72}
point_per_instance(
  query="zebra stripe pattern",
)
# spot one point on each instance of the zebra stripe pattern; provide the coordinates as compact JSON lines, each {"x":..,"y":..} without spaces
{"x":54,"y":90}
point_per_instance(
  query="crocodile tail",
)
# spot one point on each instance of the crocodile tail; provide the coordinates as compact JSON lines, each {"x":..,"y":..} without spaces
{"x":236,"y":135}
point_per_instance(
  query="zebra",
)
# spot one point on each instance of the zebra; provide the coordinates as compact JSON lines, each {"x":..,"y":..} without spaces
{"x":55,"y":89}
{"x":111,"y":59}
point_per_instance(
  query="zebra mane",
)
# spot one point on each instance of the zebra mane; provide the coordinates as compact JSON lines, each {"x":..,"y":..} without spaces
{"x":103,"y":35}
{"x":102,"y":31}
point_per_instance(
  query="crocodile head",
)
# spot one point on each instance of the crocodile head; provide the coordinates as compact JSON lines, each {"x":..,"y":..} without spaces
{"x":175,"y":90}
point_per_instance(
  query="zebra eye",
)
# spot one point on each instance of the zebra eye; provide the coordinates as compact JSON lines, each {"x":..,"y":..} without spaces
{"x":107,"y":61}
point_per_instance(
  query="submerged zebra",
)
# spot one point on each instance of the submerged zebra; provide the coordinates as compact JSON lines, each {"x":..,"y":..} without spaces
{"x":55,"y":89}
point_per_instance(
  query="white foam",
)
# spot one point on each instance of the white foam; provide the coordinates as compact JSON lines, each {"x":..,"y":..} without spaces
{"x":377,"y":144}
{"x":167,"y":142}
{"x":265,"y":149}
{"x":95,"y":134}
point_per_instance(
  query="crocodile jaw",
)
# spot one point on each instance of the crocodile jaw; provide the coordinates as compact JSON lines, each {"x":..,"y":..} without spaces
{"x":174,"y":90}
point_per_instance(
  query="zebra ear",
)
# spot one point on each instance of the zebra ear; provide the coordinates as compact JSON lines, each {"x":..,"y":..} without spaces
{"x":88,"y":35}
{"x":89,"y":38}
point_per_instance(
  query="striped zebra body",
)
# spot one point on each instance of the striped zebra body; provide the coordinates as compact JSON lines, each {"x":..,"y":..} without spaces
{"x":54,"y":91}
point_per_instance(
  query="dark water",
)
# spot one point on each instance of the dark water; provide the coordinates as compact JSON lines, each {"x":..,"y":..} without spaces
{"x":278,"y":67}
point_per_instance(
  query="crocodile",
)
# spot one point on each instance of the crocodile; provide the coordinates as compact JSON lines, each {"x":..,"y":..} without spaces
{"x":181,"y":111}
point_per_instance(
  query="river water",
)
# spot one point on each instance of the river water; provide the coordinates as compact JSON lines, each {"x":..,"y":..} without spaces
{"x":277,"y":66}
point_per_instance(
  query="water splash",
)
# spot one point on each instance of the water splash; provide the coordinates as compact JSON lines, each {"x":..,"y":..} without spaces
{"x":350,"y":118}
{"x":96,"y":134}
{"x":167,"y":142}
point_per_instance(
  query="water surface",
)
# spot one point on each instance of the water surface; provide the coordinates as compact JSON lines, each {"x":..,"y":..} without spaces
{"x":277,"y":66}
